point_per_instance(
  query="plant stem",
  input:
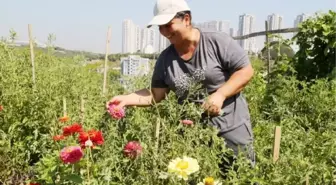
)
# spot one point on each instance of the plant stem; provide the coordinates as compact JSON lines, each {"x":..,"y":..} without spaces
{"x":88,"y":164}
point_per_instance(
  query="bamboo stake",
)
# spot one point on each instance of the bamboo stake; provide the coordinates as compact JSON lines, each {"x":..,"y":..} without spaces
{"x":64,"y":107}
{"x":31,"y":51}
{"x":157,"y":138}
{"x":276,"y":146}
{"x":307,"y":179}
{"x":106,"y":58}
{"x":82,"y":110}
{"x":157,"y":134}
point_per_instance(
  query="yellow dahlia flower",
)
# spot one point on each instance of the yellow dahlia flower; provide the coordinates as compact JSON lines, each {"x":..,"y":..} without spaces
{"x":209,"y":181}
{"x":183,"y":167}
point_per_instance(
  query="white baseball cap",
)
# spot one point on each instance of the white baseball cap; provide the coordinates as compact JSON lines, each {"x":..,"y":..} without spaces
{"x":165,"y":10}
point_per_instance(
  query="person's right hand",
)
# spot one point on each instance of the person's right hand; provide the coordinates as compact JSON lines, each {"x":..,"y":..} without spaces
{"x":120,"y":101}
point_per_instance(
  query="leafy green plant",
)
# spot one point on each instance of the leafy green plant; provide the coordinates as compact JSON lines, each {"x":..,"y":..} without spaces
{"x":317,"y":44}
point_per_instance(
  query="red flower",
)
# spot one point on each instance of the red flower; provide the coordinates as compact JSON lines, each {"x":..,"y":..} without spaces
{"x":32,"y":183}
{"x":1,"y":108}
{"x":58,"y":137}
{"x":72,"y":129}
{"x":132,"y":149}
{"x":95,"y":136}
{"x":83,"y":136}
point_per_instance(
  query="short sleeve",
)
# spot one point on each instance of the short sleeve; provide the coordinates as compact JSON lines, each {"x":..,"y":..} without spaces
{"x":232,"y":55}
{"x":159,"y":73}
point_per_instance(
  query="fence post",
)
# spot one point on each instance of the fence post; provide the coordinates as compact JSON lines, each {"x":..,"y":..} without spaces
{"x":106,"y":58}
{"x":31,"y":51}
{"x":268,"y":52}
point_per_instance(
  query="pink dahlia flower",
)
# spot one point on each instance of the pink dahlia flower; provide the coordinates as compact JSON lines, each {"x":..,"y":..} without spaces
{"x":132,"y":149}
{"x":116,"y":113}
{"x":187,"y":122}
{"x":71,"y":154}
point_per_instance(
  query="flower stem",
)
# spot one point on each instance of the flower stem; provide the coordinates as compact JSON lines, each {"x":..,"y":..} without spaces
{"x":90,"y":151}
{"x":88,"y":164}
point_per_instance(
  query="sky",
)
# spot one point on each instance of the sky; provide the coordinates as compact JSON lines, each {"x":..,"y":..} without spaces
{"x":83,"y":24}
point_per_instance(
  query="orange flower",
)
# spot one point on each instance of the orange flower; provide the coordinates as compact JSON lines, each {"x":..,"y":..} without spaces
{"x":64,"y":119}
{"x":1,"y":108}
{"x":58,"y":137}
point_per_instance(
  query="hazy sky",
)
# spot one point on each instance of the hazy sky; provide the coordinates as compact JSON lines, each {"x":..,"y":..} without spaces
{"x":82,"y":24}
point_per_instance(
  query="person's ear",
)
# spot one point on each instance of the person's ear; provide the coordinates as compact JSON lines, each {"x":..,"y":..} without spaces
{"x":187,"y":20}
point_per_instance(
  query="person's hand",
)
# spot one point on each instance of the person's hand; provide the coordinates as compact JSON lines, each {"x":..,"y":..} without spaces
{"x":213,"y":104}
{"x":120,"y":101}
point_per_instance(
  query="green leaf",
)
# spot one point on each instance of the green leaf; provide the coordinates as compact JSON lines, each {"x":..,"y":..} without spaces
{"x":325,"y":27}
{"x":74,"y":178}
{"x":332,"y":43}
{"x":315,"y":29}
{"x":326,"y":51}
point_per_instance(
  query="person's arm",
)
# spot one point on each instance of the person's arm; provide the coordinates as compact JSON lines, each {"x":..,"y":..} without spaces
{"x":238,"y":80}
{"x":145,"y":98}
{"x":235,"y":60}
{"x":141,"y":98}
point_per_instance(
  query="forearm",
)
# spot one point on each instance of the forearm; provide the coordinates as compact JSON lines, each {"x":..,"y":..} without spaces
{"x":141,"y":98}
{"x":237,"y":82}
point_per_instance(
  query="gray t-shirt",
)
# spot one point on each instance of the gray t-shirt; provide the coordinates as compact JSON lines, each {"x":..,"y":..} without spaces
{"x":216,"y":57}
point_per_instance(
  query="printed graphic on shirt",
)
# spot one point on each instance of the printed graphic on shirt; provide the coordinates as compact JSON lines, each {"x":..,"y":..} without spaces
{"x":184,"y":82}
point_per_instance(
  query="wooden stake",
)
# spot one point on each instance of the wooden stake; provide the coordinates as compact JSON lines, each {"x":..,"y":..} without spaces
{"x":106,"y":58}
{"x":268,"y":52}
{"x":82,"y":110}
{"x":307,"y":179}
{"x":157,"y":138}
{"x":157,"y":134}
{"x":64,"y":107}
{"x":31,"y":43}
{"x":276,"y":146}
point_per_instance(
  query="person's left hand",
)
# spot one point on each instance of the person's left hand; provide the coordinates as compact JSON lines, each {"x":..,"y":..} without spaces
{"x":213,"y":104}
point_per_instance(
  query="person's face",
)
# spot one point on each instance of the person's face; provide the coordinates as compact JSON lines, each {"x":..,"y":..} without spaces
{"x":175,"y":31}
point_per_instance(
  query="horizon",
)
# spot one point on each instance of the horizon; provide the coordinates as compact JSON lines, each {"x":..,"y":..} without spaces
{"x":82,"y":25}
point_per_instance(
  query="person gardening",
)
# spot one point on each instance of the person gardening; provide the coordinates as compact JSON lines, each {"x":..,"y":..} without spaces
{"x":213,"y":59}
